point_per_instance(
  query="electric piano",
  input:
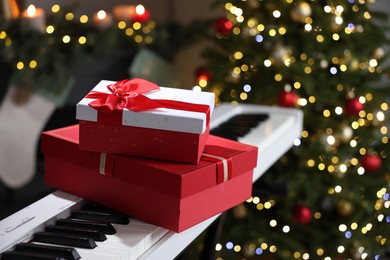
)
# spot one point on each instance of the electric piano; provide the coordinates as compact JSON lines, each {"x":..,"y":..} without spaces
{"x":92,"y":232}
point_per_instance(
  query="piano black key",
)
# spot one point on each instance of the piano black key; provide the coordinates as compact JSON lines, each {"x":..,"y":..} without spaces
{"x":236,"y":131}
{"x":64,"y":239}
{"x":65,"y":252}
{"x":233,"y":123}
{"x":16,"y":255}
{"x":97,"y":207}
{"x":238,"y":125}
{"x":100,"y":216}
{"x":251,"y":116}
{"x":247,"y":118}
{"x":104,"y":227}
{"x":270,"y":188}
{"x":227,"y":136}
{"x":95,"y":234}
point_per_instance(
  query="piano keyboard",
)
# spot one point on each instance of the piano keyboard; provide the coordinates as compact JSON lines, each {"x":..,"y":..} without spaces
{"x":86,"y":231}
{"x":33,"y":231}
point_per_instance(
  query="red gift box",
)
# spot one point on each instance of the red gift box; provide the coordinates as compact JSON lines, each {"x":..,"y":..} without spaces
{"x":173,"y":195}
{"x":139,"y":118}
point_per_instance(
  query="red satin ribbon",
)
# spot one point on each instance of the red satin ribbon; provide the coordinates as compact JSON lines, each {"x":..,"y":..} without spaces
{"x":125,"y":94}
{"x":128,"y":94}
{"x":104,"y":165}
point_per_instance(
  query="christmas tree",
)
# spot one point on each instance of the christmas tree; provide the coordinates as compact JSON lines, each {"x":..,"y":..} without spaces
{"x":326,"y":58}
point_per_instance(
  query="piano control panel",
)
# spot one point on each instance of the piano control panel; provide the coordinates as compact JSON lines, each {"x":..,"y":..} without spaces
{"x":64,"y":226}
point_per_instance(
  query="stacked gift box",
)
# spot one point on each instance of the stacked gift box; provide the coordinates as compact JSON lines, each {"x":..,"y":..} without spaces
{"x":146,"y":151}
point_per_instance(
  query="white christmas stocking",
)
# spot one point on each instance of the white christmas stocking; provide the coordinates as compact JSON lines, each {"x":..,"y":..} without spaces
{"x":22,"y":118}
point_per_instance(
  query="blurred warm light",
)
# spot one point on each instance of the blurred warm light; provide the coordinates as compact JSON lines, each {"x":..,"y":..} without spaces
{"x":101,"y":14}
{"x":31,"y":10}
{"x":140,"y":9}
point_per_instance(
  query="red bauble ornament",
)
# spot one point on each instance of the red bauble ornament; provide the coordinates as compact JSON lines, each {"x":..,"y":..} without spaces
{"x":353,"y":106}
{"x":202,"y":73}
{"x":371,"y":162}
{"x":141,"y":15}
{"x":287,"y":99}
{"x":301,"y":214}
{"x":223,"y":26}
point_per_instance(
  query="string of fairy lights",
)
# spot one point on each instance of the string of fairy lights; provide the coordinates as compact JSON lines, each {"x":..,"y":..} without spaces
{"x":353,"y":113}
{"x":60,"y":32}
{"x":348,"y":230}
{"x":102,"y":20}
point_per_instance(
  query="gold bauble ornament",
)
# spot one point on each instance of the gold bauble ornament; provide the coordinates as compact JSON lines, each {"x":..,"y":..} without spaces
{"x":335,"y":26}
{"x":345,"y":208}
{"x":354,"y":64}
{"x":240,"y":211}
{"x":249,"y":249}
{"x":280,"y":54}
{"x":253,"y":3}
{"x":379,"y":53}
{"x":300,"y":12}
{"x":345,"y":134}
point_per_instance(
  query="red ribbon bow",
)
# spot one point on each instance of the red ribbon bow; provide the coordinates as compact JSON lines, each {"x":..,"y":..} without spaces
{"x":125,"y":94}
{"x":128,"y":94}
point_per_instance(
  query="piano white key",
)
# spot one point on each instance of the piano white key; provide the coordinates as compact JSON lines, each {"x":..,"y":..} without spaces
{"x":135,"y":240}
{"x":150,"y":233}
{"x":96,"y":253}
{"x":102,"y":254}
{"x":155,"y":231}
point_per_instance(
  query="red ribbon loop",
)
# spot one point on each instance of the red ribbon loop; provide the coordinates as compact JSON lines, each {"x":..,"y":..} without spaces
{"x":125,"y":94}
